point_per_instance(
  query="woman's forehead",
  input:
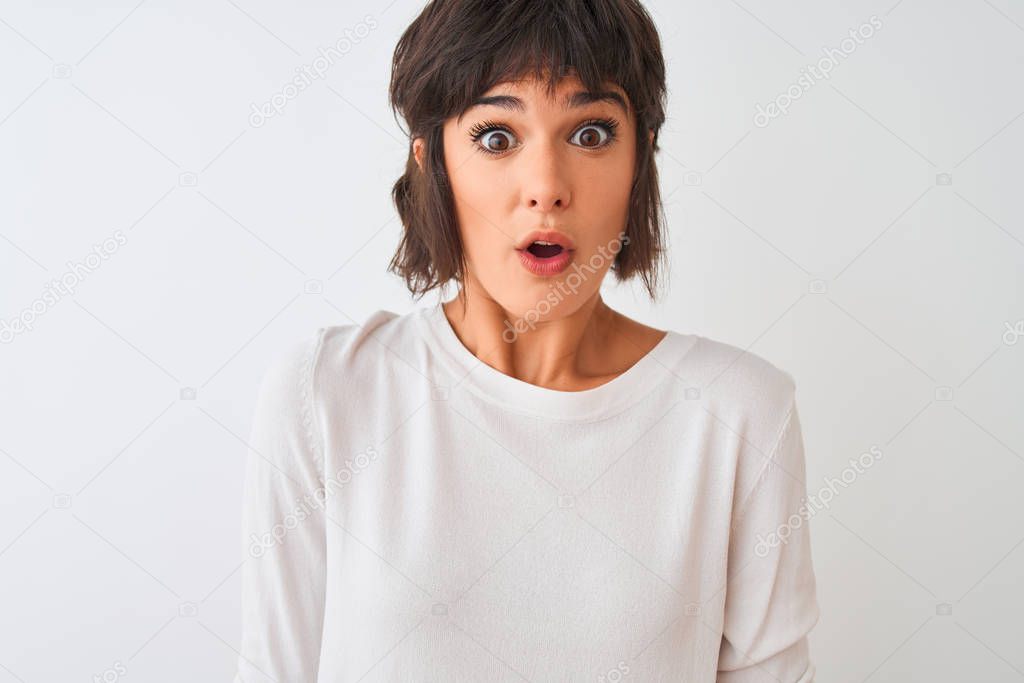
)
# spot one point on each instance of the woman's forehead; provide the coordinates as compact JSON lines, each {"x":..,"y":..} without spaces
{"x":570,"y":93}
{"x":533,"y":83}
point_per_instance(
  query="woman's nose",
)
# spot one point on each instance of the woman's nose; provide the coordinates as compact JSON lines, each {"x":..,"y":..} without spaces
{"x":545,"y":182}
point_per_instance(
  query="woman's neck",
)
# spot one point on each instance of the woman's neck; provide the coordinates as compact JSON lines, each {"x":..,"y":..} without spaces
{"x":579,"y":350}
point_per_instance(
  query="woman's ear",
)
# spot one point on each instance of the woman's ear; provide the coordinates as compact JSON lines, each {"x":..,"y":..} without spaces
{"x":417,"y":150}
{"x":650,"y":136}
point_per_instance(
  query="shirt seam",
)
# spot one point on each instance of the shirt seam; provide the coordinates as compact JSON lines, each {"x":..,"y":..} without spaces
{"x":308,"y":391}
{"x":772,"y":458}
{"x":639,"y":394}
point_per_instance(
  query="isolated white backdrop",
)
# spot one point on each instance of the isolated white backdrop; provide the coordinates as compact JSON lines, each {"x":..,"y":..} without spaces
{"x":869,"y":241}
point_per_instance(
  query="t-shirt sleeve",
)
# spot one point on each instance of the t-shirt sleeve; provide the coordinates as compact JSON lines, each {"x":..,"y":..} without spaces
{"x":771,"y":601}
{"x":283,"y":571}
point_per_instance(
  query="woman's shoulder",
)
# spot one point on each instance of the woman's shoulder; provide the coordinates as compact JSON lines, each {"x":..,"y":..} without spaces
{"x":347,"y":339}
{"x":736,"y":380}
{"x":386,"y":349}
{"x":349,"y":343}
{"x":381,"y":337}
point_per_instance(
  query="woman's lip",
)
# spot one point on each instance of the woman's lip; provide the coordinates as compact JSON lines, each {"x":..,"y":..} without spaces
{"x":545,"y":267}
{"x":555,"y":236}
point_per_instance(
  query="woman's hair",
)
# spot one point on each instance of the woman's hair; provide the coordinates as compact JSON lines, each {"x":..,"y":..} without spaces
{"x":457,"y":50}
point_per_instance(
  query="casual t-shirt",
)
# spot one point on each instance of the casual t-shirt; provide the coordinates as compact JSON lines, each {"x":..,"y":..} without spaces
{"x":413,"y":514}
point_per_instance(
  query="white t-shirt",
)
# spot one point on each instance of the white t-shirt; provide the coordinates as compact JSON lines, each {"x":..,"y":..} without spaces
{"x":412,"y":514}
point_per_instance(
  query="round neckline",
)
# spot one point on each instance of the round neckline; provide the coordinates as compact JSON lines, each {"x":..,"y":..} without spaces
{"x":514,"y":394}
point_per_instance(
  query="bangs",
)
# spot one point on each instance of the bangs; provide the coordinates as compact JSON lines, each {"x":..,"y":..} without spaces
{"x":545,"y":41}
{"x":483,"y":43}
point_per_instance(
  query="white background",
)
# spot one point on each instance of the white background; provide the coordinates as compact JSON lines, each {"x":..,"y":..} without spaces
{"x":825,"y":242}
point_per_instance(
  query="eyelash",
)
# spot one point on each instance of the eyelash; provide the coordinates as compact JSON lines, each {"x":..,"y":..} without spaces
{"x":484,"y":127}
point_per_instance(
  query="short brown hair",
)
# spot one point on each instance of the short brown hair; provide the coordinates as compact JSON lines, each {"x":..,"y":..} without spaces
{"x":456,"y":50}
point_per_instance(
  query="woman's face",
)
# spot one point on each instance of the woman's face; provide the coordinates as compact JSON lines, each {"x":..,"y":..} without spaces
{"x":519,"y":162}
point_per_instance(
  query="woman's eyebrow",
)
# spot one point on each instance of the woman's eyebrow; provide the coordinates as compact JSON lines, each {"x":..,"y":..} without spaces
{"x":577,"y":99}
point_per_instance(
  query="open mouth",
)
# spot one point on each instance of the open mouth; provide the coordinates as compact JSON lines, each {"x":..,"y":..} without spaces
{"x":545,"y":258}
{"x":544,"y":249}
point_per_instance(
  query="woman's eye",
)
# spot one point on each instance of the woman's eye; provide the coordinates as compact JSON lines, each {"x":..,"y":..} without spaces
{"x":496,"y":140}
{"x":591,"y":135}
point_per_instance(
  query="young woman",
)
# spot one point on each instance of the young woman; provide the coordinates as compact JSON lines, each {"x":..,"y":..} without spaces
{"x":520,"y":483}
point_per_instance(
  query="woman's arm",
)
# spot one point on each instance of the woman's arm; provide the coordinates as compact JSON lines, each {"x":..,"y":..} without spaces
{"x":283,"y":572}
{"x":771,"y":601}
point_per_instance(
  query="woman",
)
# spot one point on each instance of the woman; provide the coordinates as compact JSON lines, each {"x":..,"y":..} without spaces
{"x":521,"y":483}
